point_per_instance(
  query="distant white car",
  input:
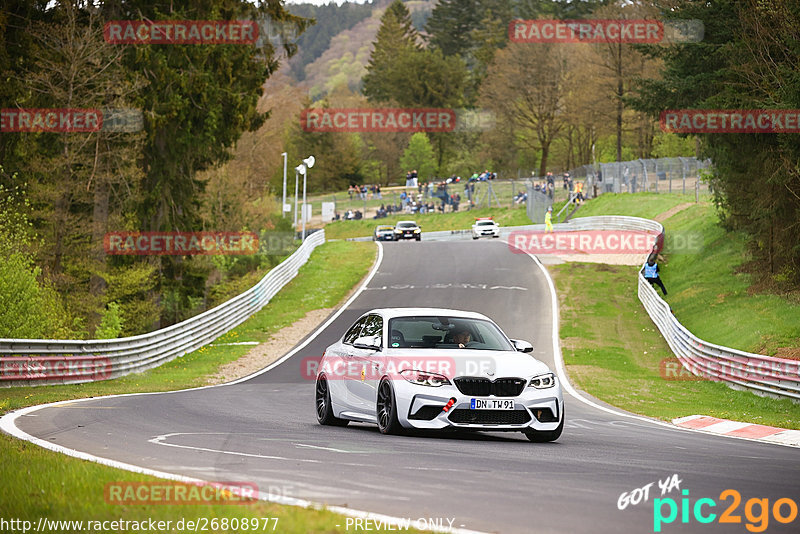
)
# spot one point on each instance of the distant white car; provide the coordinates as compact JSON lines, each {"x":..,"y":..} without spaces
{"x":430,"y":368}
{"x":407,"y":230}
{"x":485,"y":227}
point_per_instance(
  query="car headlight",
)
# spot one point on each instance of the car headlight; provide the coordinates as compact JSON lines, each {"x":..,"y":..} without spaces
{"x":398,"y":231}
{"x":544,"y":381}
{"x":417,"y":230}
{"x":423,"y":378}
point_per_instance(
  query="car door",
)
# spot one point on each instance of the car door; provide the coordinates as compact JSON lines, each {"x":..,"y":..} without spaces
{"x":345,"y":365}
{"x":364,"y":387}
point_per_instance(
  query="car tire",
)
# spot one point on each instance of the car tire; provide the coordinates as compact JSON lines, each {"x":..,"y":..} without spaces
{"x":419,"y":237}
{"x":538,"y":436}
{"x":386,"y":409}
{"x":496,"y":235}
{"x":474,"y":237}
{"x":323,"y":404}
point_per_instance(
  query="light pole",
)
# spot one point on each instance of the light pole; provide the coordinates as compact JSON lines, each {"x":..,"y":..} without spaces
{"x":307,"y":164}
{"x":296,"y":170}
{"x":283,"y":204}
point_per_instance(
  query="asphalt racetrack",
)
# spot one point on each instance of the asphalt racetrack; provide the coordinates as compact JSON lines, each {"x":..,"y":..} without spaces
{"x":264,"y":430}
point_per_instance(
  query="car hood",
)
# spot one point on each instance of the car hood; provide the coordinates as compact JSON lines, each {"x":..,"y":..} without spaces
{"x":465,"y":362}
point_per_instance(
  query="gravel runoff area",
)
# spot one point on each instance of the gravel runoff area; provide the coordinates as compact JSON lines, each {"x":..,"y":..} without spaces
{"x":268,"y":352}
{"x":278,"y":344}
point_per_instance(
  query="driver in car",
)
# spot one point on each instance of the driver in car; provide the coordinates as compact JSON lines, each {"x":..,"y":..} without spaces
{"x":462,"y":337}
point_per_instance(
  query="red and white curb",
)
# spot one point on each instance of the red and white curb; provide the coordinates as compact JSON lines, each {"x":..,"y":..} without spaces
{"x":736,"y":429}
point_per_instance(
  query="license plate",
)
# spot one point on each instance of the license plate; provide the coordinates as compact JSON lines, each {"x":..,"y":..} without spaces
{"x":491,"y":404}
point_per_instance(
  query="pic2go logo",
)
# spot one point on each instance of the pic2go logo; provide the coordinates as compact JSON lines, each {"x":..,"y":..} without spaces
{"x":756,"y":511}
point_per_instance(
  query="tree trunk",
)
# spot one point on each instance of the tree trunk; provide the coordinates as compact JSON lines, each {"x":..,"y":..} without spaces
{"x":97,"y":284}
{"x":543,"y":163}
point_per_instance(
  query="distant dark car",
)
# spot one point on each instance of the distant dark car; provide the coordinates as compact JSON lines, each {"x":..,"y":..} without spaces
{"x":383,"y":233}
{"x":407,"y":230}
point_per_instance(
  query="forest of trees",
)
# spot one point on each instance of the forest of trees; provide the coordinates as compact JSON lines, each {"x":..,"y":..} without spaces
{"x":557,"y":107}
{"x":217,"y":118}
{"x":61,"y":192}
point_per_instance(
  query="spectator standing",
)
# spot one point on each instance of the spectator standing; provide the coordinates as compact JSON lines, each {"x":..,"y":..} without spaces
{"x":579,"y":192}
{"x":548,"y":220}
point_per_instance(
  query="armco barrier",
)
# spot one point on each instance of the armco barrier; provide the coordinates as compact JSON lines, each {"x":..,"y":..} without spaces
{"x":42,"y":361}
{"x":758,"y":373}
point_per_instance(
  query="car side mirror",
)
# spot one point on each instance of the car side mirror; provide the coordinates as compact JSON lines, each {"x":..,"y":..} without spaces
{"x":522,"y":346}
{"x":368,"y":342}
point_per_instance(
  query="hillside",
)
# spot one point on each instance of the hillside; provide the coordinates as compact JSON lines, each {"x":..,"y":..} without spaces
{"x":350,"y":35}
{"x":331,"y":19}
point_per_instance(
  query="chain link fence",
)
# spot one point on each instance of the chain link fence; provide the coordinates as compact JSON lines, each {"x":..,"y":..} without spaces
{"x":662,"y":175}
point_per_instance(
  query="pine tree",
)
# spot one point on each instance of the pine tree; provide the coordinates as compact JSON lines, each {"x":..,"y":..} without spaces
{"x":451,"y":23}
{"x":396,"y":38}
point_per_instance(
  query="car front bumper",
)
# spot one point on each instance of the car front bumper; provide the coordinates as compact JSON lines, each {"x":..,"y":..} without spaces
{"x":406,"y":236}
{"x":487,"y":233}
{"x":421,"y":407}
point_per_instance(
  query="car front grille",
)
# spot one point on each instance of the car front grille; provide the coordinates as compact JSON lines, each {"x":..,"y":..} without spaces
{"x":490,"y":417}
{"x":483,"y":387}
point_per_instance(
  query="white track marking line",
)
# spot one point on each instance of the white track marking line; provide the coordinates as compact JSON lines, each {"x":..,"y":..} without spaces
{"x":325,"y":448}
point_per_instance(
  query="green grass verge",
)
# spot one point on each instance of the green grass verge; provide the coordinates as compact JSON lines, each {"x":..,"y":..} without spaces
{"x":613,"y":351}
{"x":646,"y":205}
{"x":714,"y":300}
{"x":40,"y":483}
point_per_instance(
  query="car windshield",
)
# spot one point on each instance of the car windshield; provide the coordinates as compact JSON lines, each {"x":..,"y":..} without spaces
{"x":442,"y":332}
{"x":406,"y":225}
{"x":485,"y":223}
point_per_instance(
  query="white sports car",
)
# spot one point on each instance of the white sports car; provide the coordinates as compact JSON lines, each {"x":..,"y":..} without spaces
{"x":484,"y":227}
{"x":429,"y":368}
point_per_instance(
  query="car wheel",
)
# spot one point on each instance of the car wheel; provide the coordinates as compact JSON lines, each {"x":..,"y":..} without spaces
{"x":474,"y":237}
{"x":419,"y":237}
{"x":496,"y":235}
{"x":324,"y":408}
{"x":386,"y":408}
{"x":538,"y":436}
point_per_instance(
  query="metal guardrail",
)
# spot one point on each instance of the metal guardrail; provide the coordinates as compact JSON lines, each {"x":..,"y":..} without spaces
{"x":47,"y":361}
{"x":758,"y":373}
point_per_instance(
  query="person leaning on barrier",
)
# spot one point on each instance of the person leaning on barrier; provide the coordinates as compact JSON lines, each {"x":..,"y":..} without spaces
{"x":650,"y":272}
